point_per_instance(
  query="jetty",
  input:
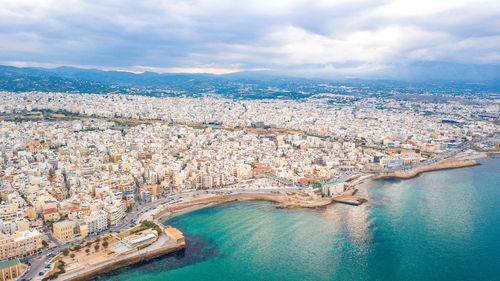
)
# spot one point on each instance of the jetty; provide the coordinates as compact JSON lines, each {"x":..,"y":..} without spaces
{"x":347,"y":197}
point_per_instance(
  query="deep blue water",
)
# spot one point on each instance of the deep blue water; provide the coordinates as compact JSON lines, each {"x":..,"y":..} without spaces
{"x":439,"y":226}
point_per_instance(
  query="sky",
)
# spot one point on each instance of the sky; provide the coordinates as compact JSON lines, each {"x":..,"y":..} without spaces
{"x":352,"y":37}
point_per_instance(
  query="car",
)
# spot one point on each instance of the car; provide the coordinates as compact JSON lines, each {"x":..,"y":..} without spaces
{"x":40,"y":273}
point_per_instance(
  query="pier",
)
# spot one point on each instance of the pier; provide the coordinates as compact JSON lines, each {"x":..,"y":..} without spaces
{"x":348,"y":198}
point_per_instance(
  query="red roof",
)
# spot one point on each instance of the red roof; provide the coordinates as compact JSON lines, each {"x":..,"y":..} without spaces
{"x":50,"y":211}
{"x":257,"y":169}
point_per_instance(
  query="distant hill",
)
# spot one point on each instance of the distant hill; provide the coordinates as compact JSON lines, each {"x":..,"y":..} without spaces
{"x":33,"y":79}
{"x":246,"y":85}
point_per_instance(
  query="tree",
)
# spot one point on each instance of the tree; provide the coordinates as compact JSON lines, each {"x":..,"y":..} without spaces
{"x":96,"y":247}
{"x":72,"y":255}
{"x":44,"y":243}
{"x":87,"y":251}
{"x":105,"y":244}
{"x":65,"y":252}
{"x":77,"y":248}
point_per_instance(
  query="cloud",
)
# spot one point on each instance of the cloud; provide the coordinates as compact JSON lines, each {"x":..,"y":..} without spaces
{"x":222,"y":36}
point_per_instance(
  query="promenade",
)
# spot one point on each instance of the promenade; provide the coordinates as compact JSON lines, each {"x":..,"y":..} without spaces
{"x":161,"y":247}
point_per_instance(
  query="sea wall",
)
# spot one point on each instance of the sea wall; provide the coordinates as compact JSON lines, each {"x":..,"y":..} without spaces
{"x":441,"y":165}
{"x":126,"y":261}
{"x":182,"y":207}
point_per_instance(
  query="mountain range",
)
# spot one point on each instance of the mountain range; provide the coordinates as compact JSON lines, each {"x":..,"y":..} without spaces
{"x":249,"y":84}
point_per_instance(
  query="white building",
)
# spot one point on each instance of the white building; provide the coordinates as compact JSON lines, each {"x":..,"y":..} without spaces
{"x":115,"y":211}
{"x":97,"y":222}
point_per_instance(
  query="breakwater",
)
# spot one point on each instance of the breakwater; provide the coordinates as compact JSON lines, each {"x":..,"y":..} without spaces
{"x":441,"y":165}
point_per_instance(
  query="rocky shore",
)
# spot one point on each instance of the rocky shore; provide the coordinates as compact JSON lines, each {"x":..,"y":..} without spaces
{"x":287,"y":200}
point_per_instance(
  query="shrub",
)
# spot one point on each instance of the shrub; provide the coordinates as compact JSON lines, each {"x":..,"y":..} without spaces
{"x":60,"y":265}
{"x":143,"y":246}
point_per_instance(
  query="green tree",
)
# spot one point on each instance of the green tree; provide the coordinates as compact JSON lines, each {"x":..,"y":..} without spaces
{"x":65,"y":252}
{"x":44,"y":243}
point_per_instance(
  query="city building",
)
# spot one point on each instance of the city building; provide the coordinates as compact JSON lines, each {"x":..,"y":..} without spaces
{"x":21,"y":244}
{"x":63,"y":230}
{"x":11,"y":269}
{"x":116,"y":212}
{"x":97,"y":222}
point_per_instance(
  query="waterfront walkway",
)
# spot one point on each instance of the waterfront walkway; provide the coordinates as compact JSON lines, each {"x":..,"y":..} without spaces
{"x":163,"y":242}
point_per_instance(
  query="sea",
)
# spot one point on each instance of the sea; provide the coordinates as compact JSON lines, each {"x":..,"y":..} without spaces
{"x":442,"y":225}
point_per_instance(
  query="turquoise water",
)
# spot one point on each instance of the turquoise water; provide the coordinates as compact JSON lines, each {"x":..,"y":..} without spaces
{"x":439,"y":226}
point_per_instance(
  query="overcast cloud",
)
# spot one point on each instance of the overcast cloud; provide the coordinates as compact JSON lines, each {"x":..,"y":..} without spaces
{"x":219,"y":36}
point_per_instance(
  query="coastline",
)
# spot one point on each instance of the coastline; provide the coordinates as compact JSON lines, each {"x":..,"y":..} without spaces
{"x":286,"y":202}
{"x":186,"y":207}
{"x":283,"y":199}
